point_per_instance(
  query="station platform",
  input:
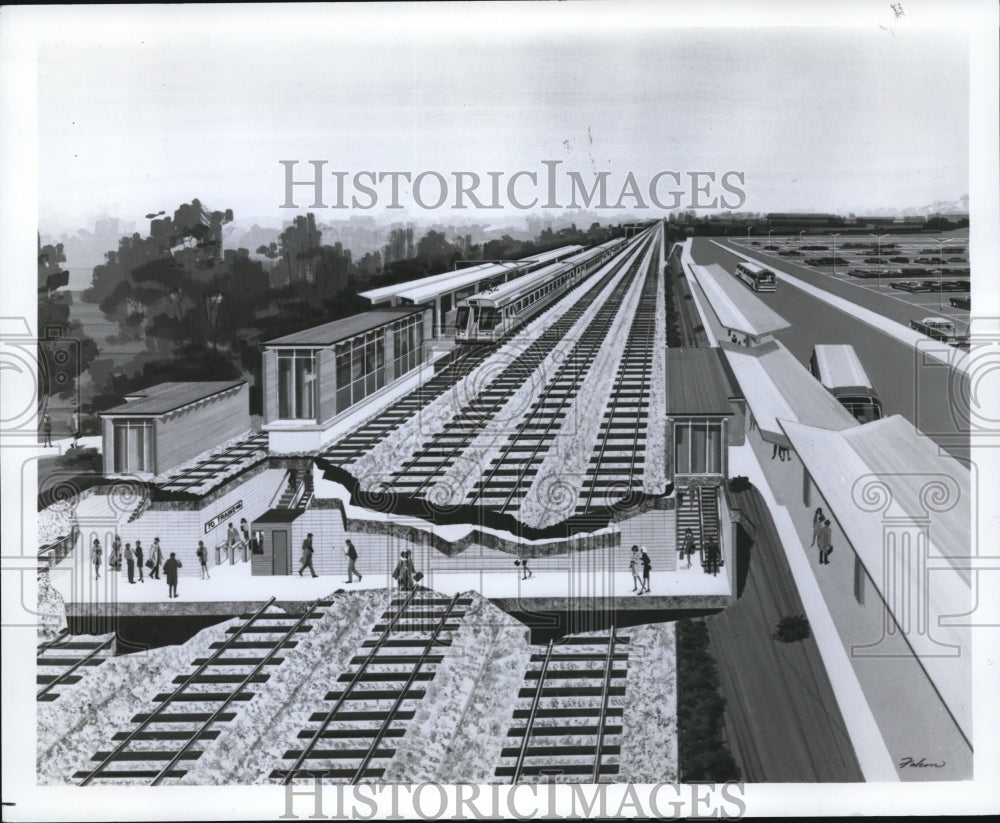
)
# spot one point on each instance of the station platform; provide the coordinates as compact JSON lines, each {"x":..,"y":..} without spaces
{"x":603,"y":582}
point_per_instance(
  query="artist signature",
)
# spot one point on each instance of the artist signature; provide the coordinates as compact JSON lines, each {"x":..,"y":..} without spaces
{"x":919,"y":764}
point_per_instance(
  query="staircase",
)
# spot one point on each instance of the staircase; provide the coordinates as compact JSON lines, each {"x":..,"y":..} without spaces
{"x":699,"y":512}
{"x":288,"y":495}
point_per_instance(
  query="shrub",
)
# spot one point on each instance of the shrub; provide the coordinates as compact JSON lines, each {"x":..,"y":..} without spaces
{"x":793,"y":628}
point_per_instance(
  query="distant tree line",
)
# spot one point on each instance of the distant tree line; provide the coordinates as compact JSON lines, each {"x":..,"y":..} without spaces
{"x":196,"y":311}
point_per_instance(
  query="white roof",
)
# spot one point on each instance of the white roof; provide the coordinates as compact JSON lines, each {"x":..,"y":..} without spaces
{"x":889,"y":486}
{"x":778,"y":387}
{"x":737,"y":308}
{"x":839,"y":366}
{"x":427,"y":289}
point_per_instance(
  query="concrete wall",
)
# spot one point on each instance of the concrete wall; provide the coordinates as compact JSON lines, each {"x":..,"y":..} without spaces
{"x":180,"y":529}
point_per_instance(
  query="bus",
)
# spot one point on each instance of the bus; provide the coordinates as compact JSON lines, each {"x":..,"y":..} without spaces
{"x":838,"y":368}
{"x":756,"y":276}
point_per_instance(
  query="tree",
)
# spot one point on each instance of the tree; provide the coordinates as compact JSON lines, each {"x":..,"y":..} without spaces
{"x":64,"y":351}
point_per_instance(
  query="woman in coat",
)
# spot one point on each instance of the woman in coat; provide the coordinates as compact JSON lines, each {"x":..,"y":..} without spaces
{"x":170,"y":572}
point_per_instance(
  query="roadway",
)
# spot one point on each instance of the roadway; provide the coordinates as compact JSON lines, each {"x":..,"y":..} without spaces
{"x":919,"y":391}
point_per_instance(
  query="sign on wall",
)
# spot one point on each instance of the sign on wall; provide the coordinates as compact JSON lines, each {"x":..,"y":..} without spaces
{"x":219,"y":518}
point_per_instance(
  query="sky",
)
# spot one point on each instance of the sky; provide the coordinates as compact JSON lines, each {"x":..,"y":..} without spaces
{"x":138,"y":114}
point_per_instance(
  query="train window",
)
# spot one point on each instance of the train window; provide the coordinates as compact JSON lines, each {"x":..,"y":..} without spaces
{"x":488,"y":319}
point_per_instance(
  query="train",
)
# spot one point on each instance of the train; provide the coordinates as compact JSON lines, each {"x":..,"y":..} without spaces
{"x":490,"y":315}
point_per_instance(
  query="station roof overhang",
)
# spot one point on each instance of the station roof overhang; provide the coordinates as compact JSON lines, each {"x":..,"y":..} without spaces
{"x":778,"y":387}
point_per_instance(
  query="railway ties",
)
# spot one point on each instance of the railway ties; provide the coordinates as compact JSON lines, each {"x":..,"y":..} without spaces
{"x":510,"y":475}
{"x":66,"y":660}
{"x":617,"y":464}
{"x":353,"y":739}
{"x":568,"y":723}
{"x":173,"y":733}
{"x":432,"y":460}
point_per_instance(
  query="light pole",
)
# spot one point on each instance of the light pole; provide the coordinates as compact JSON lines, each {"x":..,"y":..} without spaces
{"x":835,"y":236}
{"x":878,"y":240}
{"x":941,"y":270}
{"x":769,"y":233}
{"x":748,"y":235}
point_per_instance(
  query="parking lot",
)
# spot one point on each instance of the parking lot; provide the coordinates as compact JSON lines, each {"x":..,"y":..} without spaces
{"x":862,"y":254}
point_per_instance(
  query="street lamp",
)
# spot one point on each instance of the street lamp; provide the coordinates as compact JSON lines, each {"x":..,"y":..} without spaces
{"x":748,"y":235}
{"x":835,"y":236}
{"x":878,"y":240}
{"x":769,"y":233}
{"x":941,"y":269}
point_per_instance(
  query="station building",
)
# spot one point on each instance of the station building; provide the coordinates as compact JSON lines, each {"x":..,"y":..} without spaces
{"x":316,"y":378}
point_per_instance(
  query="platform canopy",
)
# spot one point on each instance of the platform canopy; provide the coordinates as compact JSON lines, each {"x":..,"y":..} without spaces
{"x":906,"y":509}
{"x":778,"y":387}
{"x":736,"y":306}
{"x":429,"y":289}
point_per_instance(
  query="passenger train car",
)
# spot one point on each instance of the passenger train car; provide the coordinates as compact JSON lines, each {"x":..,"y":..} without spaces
{"x":489,"y":315}
{"x":838,"y":368}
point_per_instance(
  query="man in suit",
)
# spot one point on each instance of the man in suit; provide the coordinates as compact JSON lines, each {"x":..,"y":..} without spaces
{"x":307,"y":556}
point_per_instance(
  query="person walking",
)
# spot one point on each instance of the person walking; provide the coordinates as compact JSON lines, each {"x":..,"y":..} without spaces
{"x":202,"y":554}
{"x":232,"y":538}
{"x":156,"y":555}
{"x":688,"y":548}
{"x":170,"y":572}
{"x":74,"y":428}
{"x":403,"y":573}
{"x":307,"y":556}
{"x":130,"y":560}
{"x":633,"y":567}
{"x":138,"y":560}
{"x":245,"y":538}
{"x":352,"y":558}
{"x":47,"y":429}
{"x":646,"y":568}
{"x":825,"y":544}
{"x":818,"y":519}
{"x":525,"y":571}
{"x":95,"y":556}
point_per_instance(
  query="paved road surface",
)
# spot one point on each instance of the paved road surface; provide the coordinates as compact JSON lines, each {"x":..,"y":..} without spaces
{"x":921,"y":392}
{"x":782,"y":718}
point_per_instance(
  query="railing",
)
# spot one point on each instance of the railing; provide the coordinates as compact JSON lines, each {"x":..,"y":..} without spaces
{"x":56,"y":552}
{"x":737,"y":515}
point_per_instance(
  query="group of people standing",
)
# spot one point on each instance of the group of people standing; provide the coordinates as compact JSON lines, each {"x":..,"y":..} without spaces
{"x":136,"y":560}
{"x":640,"y":560}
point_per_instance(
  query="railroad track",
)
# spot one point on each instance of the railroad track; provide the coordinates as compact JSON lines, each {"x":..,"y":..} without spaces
{"x":617,"y":465}
{"x":361,"y":440}
{"x":205,"y":469}
{"x":161,"y":742}
{"x":510,"y":474}
{"x":353,"y":739}
{"x":433,"y":459}
{"x":570,"y":712}
{"x":64,"y":660}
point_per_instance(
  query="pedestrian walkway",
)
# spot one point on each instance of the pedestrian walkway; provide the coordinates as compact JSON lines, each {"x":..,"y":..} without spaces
{"x":892,"y":711}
